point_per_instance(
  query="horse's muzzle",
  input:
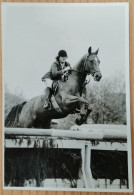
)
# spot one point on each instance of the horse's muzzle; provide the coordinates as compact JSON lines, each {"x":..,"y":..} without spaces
{"x":97,"y":76}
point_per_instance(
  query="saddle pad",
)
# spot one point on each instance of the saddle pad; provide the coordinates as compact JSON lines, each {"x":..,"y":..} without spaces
{"x":55,"y":105}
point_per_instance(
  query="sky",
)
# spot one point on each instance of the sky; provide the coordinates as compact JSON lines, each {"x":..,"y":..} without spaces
{"x":32,"y":35}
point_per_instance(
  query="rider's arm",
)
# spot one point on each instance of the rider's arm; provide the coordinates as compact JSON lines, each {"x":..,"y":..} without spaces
{"x":55,"y":72}
{"x":68,"y":64}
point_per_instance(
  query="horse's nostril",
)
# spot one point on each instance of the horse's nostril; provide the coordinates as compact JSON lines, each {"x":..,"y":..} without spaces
{"x":98,"y":77}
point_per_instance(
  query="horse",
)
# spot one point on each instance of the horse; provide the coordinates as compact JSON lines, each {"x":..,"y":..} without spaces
{"x":69,"y":98}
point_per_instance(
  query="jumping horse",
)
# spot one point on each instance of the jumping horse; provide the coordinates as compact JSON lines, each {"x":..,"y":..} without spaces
{"x":68,"y":97}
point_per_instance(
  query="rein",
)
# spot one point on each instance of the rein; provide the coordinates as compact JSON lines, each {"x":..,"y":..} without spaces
{"x":83,"y":74}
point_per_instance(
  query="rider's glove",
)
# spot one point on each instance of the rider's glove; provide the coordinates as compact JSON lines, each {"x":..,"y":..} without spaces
{"x":66,"y":69}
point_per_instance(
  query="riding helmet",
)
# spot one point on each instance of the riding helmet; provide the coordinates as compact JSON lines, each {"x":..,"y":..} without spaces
{"x":62,"y":53}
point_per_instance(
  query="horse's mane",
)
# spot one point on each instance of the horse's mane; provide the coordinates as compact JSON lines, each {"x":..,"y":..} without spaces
{"x":79,"y":65}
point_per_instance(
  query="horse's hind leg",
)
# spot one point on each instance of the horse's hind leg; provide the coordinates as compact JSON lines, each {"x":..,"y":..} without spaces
{"x":25,"y":124}
{"x":46,"y":125}
{"x":42,"y":124}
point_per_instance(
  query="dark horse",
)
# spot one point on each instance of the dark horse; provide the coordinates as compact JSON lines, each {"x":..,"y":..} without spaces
{"x":69,"y":98}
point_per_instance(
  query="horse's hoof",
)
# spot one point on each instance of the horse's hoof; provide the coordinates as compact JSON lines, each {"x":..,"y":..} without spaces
{"x":77,"y":110}
{"x":78,"y":122}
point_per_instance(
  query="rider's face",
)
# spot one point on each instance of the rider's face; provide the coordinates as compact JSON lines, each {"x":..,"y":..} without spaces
{"x":62,"y":59}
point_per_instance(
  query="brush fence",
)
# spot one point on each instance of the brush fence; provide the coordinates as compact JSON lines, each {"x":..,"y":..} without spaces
{"x":86,"y":138}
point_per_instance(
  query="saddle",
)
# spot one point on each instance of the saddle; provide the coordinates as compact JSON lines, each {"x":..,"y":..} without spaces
{"x":53,"y":101}
{"x":55,"y":87}
{"x":55,"y":84}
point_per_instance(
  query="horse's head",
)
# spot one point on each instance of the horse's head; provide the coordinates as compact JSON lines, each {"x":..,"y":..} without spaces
{"x":91,"y":64}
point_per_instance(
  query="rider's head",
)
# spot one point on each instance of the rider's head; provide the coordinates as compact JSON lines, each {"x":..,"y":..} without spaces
{"x":62,"y":56}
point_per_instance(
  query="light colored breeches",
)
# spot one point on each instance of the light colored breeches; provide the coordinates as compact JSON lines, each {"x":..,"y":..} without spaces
{"x":48,"y":83}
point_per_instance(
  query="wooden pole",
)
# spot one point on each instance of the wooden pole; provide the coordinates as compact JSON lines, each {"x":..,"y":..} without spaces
{"x":82,"y":135}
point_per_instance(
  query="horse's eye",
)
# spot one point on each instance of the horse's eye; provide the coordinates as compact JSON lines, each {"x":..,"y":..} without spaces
{"x":91,"y":61}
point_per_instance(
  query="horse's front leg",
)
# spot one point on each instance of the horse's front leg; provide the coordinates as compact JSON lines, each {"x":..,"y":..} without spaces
{"x":71,"y":103}
{"x":85,"y":110}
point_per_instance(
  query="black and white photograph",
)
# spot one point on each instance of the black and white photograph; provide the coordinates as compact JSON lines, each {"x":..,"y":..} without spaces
{"x":66,"y":98}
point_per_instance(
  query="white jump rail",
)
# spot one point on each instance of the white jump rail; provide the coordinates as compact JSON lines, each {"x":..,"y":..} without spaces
{"x":83,"y":134}
{"x":86,"y":138}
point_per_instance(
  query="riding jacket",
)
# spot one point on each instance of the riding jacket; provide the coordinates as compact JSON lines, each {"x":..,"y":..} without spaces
{"x":55,"y":71}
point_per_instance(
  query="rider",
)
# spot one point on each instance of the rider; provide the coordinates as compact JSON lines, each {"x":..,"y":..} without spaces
{"x":57,"y":70}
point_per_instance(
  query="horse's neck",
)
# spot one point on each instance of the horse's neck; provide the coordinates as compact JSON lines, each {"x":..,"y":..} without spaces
{"x":79,"y":66}
{"x":79,"y":78}
{"x":79,"y":75}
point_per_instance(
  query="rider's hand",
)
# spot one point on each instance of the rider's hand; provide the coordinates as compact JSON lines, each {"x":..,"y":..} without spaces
{"x":66,"y":69}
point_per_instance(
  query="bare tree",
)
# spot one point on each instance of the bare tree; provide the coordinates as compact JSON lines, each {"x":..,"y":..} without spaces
{"x":12,"y":99}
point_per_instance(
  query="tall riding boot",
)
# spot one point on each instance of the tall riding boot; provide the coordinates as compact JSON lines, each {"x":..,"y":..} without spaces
{"x":48,"y":94}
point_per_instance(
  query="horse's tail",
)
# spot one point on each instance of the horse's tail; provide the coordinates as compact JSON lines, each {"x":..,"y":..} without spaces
{"x":13,"y":116}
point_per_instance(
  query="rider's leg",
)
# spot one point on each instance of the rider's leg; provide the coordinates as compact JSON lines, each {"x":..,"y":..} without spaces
{"x":48,"y":93}
{"x":47,"y":98}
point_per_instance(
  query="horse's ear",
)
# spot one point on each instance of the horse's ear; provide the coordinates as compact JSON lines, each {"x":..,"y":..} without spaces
{"x":89,"y":50}
{"x":97,"y":51}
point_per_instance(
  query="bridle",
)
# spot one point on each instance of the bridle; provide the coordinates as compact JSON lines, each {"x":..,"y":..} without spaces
{"x":84,"y":74}
{"x":92,"y":70}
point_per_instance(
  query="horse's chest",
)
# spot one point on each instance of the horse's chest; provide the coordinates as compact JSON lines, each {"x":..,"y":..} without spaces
{"x":70,"y":87}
